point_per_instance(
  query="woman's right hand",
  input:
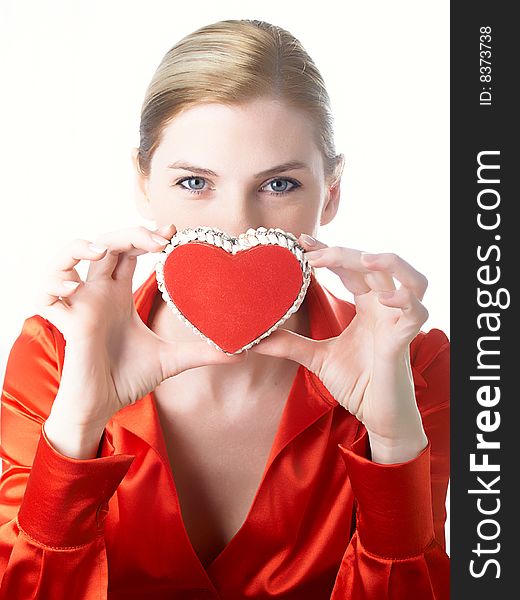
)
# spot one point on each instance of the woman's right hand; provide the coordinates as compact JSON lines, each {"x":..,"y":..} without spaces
{"x":112,"y":359}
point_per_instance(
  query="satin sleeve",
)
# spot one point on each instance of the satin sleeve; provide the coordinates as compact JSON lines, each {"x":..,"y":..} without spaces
{"x":52,"y":507}
{"x":397,"y":550}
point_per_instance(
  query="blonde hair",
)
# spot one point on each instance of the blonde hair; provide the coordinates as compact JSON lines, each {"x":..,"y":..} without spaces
{"x":231,"y":62}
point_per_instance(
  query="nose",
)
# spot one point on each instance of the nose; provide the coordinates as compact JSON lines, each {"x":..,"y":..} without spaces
{"x":239,"y":214}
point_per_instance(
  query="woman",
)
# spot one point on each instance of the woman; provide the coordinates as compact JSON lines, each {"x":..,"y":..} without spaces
{"x":141,"y":462}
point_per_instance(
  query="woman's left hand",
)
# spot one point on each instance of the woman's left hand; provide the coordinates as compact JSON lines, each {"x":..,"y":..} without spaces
{"x":367,"y":367}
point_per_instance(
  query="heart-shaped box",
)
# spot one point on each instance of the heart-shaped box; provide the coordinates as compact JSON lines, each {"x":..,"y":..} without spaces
{"x":233,"y":291}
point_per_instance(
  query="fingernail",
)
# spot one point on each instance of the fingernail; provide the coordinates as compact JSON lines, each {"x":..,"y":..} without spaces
{"x":71,"y":284}
{"x":313,"y":254}
{"x":308,"y":239}
{"x":97,"y":249}
{"x":160,"y":240}
{"x":367,"y":256}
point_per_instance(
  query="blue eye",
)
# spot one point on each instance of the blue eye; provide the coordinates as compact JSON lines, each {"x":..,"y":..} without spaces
{"x":293,"y":183}
{"x":200,"y":181}
{"x":197,"y":179}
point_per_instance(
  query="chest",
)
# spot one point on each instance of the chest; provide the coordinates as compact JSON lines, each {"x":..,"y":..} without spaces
{"x":217,"y":462}
{"x":217,"y":454}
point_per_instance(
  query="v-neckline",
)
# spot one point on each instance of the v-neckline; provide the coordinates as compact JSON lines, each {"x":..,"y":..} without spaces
{"x":246,"y":520}
{"x":300,"y":385}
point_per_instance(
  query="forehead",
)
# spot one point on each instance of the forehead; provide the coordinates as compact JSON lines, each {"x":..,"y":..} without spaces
{"x":253,"y":132}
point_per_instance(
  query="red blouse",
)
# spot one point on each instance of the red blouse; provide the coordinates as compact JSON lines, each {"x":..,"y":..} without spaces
{"x":326,"y":522}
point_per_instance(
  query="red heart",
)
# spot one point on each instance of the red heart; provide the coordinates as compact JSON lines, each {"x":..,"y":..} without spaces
{"x":232,"y":299}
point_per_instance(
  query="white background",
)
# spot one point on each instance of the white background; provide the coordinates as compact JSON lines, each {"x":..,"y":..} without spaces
{"x":73,"y":77}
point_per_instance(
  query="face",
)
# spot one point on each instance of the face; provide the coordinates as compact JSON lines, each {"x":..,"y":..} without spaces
{"x":219,"y":166}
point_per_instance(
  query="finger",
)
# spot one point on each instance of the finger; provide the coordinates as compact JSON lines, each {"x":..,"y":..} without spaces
{"x":132,"y":240}
{"x":55,"y":288}
{"x":103,"y":267}
{"x":400,"y":269}
{"x":177,"y":357}
{"x":61,"y":268}
{"x":283,"y":343}
{"x":125,"y":268}
{"x":380,"y":281}
{"x":350,"y":277}
{"x":304,"y":240}
{"x":62,"y":276}
{"x":69,"y":256}
{"x":414,"y":313}
{"x":345,"y":262}
{"x":167,"y":231}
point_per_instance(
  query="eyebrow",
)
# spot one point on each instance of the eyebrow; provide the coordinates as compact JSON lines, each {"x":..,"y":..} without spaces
{"x":286,"y":166}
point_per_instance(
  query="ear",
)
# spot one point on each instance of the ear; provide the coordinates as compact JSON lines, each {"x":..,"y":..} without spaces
{"x":141,"y":188}
{"x":330,"y":207}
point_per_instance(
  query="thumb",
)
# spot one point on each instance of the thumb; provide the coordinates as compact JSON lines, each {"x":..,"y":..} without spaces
{"x":180,"y":356}
{"x":288,"y":344}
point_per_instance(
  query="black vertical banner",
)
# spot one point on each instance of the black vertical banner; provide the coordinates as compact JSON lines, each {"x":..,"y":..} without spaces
{"x":485,"y":331}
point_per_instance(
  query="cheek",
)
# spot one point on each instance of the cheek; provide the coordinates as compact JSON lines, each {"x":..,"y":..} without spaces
{"x":307,"y":215}
{"x":170,"y":206}
{"x":295,"y":220}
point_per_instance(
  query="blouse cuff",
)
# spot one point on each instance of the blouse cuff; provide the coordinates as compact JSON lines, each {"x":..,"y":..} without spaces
{"x":66,"y":499}
{"x":394,"y":504}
